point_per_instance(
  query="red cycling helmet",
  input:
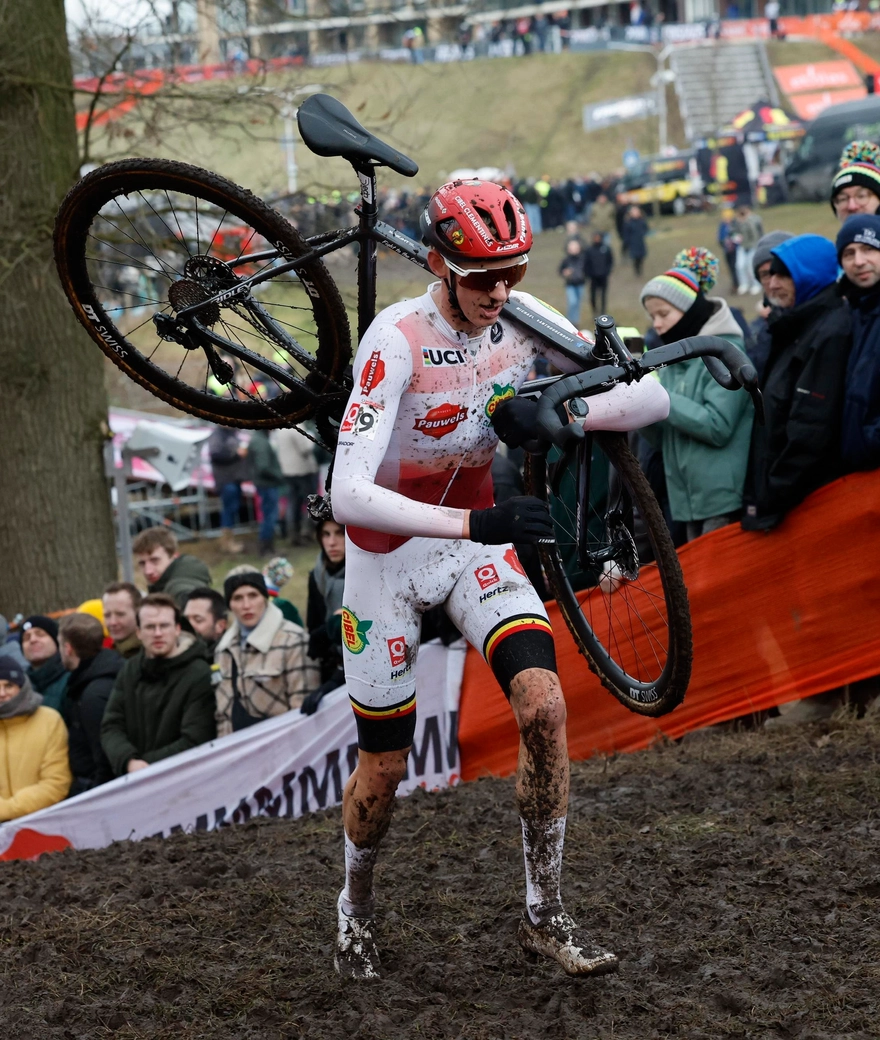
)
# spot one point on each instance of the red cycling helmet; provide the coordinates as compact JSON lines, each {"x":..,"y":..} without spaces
{"x":475,"y":220}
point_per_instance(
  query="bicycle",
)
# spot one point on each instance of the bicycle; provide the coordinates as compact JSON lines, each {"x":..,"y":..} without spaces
{"x":225,"y":285}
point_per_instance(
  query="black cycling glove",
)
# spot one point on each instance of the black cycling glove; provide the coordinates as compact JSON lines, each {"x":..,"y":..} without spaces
{"x":514,"y":420}
{"x":522,"y":518}
{"x":312,"y":700}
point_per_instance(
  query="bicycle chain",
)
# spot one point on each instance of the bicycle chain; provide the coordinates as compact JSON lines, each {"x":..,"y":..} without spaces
{"x":233,"y":306}
{"x":275,"y":412}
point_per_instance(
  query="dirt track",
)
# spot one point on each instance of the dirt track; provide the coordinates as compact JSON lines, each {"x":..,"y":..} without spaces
{"x":736,"y":875}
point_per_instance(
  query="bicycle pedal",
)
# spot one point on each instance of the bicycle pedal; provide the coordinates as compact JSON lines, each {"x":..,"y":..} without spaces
{"x":319,"y":507}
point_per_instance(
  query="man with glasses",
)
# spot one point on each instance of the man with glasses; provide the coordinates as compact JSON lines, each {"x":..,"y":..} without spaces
{"x":855,"y":189}
{"x":759,"y":349}
{"x":435,"y":383}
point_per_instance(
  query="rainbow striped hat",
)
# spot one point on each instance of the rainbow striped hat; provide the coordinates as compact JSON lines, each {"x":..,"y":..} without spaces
{"x":859,"y":167}
{"x":693,"y":272}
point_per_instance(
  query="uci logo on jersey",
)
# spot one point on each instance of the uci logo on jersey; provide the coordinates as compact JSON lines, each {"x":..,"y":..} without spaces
{"x":442,"y":358}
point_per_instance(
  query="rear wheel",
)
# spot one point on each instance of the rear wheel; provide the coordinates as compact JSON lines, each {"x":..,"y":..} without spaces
{"x":630,"y":620}
{"x":154,"y":257}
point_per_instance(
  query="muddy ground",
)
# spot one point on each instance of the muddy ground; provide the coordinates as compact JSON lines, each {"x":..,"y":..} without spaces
{"x":735,"y":873}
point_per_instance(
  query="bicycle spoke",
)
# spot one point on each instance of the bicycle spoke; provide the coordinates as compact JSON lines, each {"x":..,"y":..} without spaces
{"x":176,"y":221}
{"x":157,"y":246}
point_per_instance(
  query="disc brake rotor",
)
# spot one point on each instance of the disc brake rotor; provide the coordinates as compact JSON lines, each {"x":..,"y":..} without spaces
{"x":626,"y":555}
{"x":203,"y":277}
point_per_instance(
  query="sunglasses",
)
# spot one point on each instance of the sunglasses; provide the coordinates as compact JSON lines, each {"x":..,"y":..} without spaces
{"x":482,"y":280}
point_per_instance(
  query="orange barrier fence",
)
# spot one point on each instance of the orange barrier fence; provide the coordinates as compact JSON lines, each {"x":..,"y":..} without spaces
{"x":776,"y":617}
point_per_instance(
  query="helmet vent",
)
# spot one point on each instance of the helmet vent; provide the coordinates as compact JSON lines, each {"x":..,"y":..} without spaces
{"x":510,"y":217}
{"x":489,"y":221}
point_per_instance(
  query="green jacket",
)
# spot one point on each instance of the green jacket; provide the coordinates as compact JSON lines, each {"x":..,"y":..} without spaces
{"x":181,"y":576}
{"x":265,"y":467}
{"x":705,"y":440}
{"x":50,"y":680}
{"x":160,"y":706}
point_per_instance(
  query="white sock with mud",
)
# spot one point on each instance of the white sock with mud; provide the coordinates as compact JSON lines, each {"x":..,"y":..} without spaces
{"x":357,"y":896}
{"x":542,"y":851}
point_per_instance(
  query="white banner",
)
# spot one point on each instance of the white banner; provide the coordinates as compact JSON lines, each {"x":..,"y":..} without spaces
{"x":284,"y":767}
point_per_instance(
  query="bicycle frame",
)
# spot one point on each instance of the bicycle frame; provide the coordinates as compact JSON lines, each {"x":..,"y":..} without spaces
{"x":369,"y":233}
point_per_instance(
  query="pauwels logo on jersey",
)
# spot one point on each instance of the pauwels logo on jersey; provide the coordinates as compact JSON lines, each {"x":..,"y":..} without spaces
{"x":513,"y":560}
{"x":354,"y":631}
{"x":373,"y":373}
{"x":439,"y":421}
{"x":432,"y":358}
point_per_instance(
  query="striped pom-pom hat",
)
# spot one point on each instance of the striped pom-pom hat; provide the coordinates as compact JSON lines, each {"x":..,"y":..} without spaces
{"x":693,"y":273}
{"x":859,"y":168}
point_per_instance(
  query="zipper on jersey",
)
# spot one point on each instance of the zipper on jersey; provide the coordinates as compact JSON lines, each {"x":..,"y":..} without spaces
{"x":472,"y":347}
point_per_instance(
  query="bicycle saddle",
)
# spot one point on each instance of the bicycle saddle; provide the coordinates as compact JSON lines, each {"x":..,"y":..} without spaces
{"x":328,"y":128}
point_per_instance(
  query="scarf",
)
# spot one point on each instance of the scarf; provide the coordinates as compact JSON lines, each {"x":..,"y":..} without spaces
{"x":25,"y":702}
{"x":330,"y":582}
{"x":690,"y":323}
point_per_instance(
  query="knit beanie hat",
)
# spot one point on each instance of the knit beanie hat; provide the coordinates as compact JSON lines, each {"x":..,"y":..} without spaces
{"x":11,"y":671}
{"x":769,"y":241}
{"x":277,"y":573}
{"x":859,"y":167}
{"x":863,"y":228}
{"x":235,"y":581}
{"x":693,"y":273}
{"x":49,"y":626}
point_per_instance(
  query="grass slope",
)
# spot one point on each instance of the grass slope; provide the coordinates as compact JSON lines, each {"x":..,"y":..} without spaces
{"x":514,"y":113}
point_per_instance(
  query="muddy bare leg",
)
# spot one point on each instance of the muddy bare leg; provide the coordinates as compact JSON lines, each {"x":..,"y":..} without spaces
{"x":542,"y":782}
{"x":367,"y":805}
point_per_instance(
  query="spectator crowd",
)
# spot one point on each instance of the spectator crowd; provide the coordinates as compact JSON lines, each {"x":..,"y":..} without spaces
{"x":816,"y":347}
{"x":133,"y":678}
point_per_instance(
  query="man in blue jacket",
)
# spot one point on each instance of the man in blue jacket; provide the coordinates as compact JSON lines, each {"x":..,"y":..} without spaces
{"x":858,"y":248}
{"x":798,"y":448}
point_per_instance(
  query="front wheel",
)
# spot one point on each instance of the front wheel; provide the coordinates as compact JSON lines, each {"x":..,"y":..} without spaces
{"x":630,"y":620}
{"x":156,"y":258}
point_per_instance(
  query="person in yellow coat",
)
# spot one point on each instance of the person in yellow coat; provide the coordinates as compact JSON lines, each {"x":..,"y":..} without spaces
{"x":34,"y":769}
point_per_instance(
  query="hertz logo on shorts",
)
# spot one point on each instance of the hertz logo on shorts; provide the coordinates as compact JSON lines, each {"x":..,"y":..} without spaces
{"x":354,"y":631}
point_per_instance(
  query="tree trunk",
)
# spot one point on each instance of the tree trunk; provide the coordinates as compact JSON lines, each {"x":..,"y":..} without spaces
{"x":56,"y":527}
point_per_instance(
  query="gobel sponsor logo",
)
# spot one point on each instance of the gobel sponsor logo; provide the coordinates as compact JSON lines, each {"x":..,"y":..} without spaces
{"x":101,"y":329}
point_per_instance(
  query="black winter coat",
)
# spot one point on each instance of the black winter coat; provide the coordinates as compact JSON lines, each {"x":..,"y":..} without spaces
{"x":598,"y":262}
{"x":227,"y":465}
{"x":635,"y":231}
{"x":160,"y":706}
{"x":88,"y":691}
{"x":572,"y":268}
{"x":861,"y":407}
{"x":798,"y":448}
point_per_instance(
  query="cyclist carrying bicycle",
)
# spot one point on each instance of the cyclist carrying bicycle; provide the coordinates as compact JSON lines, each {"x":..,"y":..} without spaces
{"x":435,"y":380}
